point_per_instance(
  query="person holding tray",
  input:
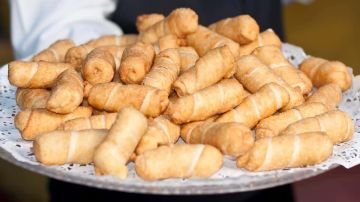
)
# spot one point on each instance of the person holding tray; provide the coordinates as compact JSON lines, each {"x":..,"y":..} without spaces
{"x":36,"y":24}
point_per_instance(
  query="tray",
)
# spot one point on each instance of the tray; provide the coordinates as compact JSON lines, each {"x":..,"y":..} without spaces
{"x":229,"y":179}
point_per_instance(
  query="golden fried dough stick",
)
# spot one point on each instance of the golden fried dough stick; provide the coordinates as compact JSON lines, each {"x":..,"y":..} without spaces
{"x":35,"y":74}
{"x":27,"y":98}
{"x":113,"y":153}
{"x":275,"y":59}
{"x":242,"y":28}
{"x":210,"y":101}
{"x":230,"y":138}
{"x":55,"y":52}
{"x":180,"y":22}
{"x":62,"y":147}
{"x":179,"y":161}
{"x":112,"y":97}
{"x":273,"y":125}
{"x":336,"y":124}
{"x":329,"y":94}
{"x":33,"y":122}
{"x":322,"y":72}
{"x":287,"y":151}
{"x":67,"y":93}
{"x":262,"y":104}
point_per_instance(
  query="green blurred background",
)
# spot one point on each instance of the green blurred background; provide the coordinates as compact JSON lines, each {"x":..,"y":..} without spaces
{"x":325,"y":28}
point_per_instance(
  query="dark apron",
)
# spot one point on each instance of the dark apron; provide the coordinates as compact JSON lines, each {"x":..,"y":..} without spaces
{"x":266,"y":12}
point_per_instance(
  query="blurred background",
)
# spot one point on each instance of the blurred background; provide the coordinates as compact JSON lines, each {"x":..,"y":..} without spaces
{"x":324,"y":28}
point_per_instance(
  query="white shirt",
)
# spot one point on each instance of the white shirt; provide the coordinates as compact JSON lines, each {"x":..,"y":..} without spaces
{"x":35,"y":24}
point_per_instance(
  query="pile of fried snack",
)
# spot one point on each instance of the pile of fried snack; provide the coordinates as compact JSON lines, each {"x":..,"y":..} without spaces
{"x":117,"y":99}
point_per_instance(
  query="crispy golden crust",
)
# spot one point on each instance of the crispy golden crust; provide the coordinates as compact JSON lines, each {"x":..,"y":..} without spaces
{"x":322,"y":72}
{"x":99,"y":67}
{"x":265,"y":102}
{"x":136,"y":61}
{"x":32,"y":98}
{"x":273,"y":57}
{"x":328,"y":94}
{"x":145,"y":21}
{"x":164,"y":71}
{"x":35,"y":74}
{"x":67,"y":93}
{"x":204,"y":40}
{"x":179,"y":161}
{"x":254,"y":74}
{"x":180,"y":22}
{"x":210,"y":101}
{"x":166,"y":42}
{"x":230,"y":138}
{"x":101,"y":121}
{"x":273,"y":125}
{"x":287,"y":151}
{"x":341,"y":131}
{"x":55,"y":52}
{"x":106,"y":40}
{"x":76,"y":55}
{"x":161,"y":131}
{"x":187,"y":128}
{"x":113,"y":153}
{"x":62,"y":147}
{"x":37,"y":121}
{"x":242,"y":29}
{"x":267,"y":37}
{"x":188,"y":57}
{"x":112,"y":97}
{"x":208,"y":70}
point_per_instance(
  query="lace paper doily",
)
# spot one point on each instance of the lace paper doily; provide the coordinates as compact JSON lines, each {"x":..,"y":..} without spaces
{"x":228,"y":179}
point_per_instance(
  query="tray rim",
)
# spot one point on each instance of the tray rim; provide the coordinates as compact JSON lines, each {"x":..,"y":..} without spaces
{"x":148,"y":188}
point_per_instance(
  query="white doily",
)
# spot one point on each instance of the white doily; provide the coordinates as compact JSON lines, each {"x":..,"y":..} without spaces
{"x":228,"y":179}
